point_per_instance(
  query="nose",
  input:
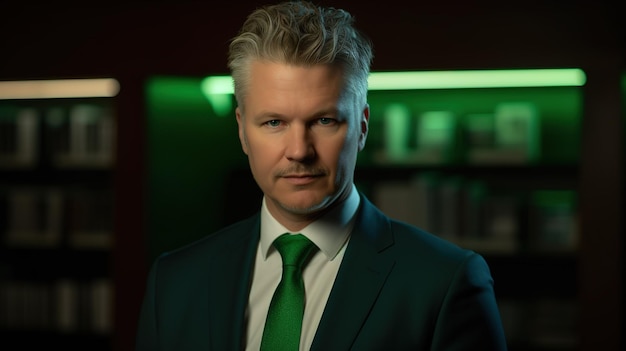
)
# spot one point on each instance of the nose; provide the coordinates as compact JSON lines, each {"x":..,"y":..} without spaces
{"x":299,"y":142}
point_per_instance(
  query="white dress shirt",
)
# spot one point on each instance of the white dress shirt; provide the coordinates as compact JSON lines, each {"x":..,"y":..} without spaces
{"x":331,"y":234}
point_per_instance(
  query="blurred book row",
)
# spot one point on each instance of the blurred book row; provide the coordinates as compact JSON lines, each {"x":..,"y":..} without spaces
{"x":510,"y":134}
{"x":78,"y":135}
{"x":542,"y":324}
{"x":471,"y":214}
{"x":50,"y":217}
{"x":63,"y":306}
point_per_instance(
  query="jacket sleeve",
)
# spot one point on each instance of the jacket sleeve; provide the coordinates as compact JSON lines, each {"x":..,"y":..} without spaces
{"x":469,"y":318}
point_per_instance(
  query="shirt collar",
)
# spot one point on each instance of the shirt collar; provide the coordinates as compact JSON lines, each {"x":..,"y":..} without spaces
{"x":330,"y":232}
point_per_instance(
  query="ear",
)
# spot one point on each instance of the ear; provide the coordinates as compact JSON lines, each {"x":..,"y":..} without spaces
{"x":242,"y":133}
{"x":364,"y":122}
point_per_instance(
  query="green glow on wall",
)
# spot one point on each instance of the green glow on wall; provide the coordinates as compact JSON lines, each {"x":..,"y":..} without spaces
{"x":215,"y":88}
{"x":218,"y":90}
{"x":191,"y":152}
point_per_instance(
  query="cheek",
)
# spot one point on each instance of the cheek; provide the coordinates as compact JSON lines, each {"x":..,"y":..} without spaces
{"x":342,"y":154}
{"x":259,"y":168}
{"x":262,"y":155}
{"x":351,"y":144}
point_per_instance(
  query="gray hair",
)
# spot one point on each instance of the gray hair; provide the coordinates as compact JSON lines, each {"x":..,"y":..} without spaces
{"x":300,"y":33}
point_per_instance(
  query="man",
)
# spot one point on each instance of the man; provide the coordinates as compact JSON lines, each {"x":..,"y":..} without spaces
{"x":370,"y":282}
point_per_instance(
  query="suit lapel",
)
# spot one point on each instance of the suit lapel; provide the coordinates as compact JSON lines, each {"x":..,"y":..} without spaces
{"x":362,"y":274}
{"x":229,"y":285}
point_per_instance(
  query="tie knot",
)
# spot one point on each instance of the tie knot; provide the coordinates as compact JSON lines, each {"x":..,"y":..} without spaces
{"x":294,"y":249}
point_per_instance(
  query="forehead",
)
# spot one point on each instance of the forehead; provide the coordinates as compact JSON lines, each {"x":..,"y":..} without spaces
{"x":294,"y":89}
{"x":266,"y":75}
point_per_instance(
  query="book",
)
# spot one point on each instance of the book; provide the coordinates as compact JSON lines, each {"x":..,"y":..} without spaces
{"x":517,"y":131}
{"x":509,"y":135}
{"x":553,"y":221}
{"x":19,"y":137}
{"x":479,"y":131}
{"x":502,"y":215}
{"x":90,"y":218}
{"x":471,"y":219}
{"x":486,"y":222}
{"x":83,"y":136}
{"x":57,"y":133}
{"x":479,"y":137}
{"x":101,"y":306}
{"x":397,"y":132}
{"x":34,"y":217}
{"x":553,"y":324}
{"x":394,"y":198}
{"x":66,"y":305}
{"x":450,"y":207}
{"x":436,"y":138}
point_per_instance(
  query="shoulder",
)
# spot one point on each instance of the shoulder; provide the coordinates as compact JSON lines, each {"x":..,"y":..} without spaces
{"x":406,"y":240}
{"x":232,"y":237}
{"x":418,"y":253}
{"x":415,"y":249}
{"x":412,"y":239}
{"x":414,"y":245}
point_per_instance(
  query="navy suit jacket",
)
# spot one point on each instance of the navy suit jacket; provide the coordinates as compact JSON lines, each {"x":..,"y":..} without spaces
{"x":398,"y":288}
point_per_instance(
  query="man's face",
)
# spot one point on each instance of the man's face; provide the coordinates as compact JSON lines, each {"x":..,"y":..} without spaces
{"x":301,"y":131}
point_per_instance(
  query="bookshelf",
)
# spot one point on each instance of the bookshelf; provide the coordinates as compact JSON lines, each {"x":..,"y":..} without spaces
{"x":493,"y":168}
{"x":57,"y":157}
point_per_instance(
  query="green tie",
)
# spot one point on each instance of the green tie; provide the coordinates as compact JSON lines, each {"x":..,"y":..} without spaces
{"x":284,"y":318}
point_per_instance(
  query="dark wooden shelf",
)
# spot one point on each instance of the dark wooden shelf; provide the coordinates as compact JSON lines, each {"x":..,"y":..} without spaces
{"x":45,"y":175}
{"x":534,"y":276}
{"x":44,"y":340}
{"x":511,"y":176}
{"x":49,"y":264}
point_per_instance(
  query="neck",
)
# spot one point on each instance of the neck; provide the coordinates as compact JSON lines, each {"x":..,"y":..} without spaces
{"x":294,"y":221}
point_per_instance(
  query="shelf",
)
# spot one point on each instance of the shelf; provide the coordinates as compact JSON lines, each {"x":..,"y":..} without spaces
{"x":529,"y":176}
{"x":53,"y":176}
{"x":49,"y":264}
{"x":42,"y":340}
{"x":532,"y":276}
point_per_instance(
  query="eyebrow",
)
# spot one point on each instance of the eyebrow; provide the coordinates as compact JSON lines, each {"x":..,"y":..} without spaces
{"x":333,"y":111}
{"x":268,"y":115}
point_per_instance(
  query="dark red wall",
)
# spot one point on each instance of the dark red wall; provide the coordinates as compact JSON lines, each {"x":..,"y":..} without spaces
{"x":191,"y":37}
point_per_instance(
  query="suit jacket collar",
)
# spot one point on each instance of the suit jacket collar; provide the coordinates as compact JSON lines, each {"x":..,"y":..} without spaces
{"x":229,"y":284}
{"x":361,"y":276}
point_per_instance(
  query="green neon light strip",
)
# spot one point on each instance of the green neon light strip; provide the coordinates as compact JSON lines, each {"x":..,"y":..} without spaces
{"x":410,"y":80}
{"x":216,"y":87}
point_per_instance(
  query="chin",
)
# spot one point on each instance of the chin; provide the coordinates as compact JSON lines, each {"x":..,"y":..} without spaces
{"x":308,"y":206}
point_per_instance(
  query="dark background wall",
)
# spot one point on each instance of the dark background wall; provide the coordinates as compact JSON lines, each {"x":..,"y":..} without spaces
{"x":135,"y":40}
{"x":65,"y":38}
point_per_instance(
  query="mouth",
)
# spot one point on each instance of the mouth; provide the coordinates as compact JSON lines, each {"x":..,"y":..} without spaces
{"x":301,"y":179}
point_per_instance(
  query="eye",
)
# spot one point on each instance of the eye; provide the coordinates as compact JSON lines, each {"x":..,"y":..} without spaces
{"x":272,"y":123}
{"x":327,"y":121}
